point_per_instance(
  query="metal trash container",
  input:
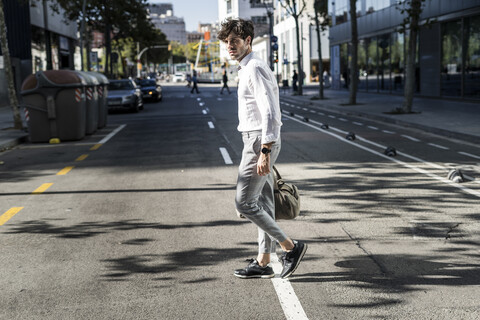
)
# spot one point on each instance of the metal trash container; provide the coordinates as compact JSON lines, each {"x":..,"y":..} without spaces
{"x":55,"y":102}
{"x":102,"y":92}
{"x":92,"y":102}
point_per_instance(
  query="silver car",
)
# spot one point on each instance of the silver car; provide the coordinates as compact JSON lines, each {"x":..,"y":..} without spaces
{"x":124,"y":94}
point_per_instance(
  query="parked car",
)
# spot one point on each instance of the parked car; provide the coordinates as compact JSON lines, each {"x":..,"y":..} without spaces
{"x":124,"y":94}
{"x":150,"y":89}
{"x":179,"y":77}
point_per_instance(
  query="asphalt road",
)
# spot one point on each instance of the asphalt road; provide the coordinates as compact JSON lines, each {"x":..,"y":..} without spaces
{"x":138,"y":221}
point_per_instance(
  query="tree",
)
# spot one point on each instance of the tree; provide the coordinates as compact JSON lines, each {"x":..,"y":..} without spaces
{"x":121,"y":18}
{"x":321,"y":13}
{"x":413,"y":8}
{"x":354,"y":56}
{"x":17,"y":120}
{"x":291,"y":7}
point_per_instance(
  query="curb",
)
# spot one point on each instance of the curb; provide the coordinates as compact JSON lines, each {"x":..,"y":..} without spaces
{"x":335,"y":109}
{"x":8,"y":143}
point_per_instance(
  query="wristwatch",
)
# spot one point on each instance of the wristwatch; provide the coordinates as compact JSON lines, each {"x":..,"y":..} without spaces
{"x":266,"y":150}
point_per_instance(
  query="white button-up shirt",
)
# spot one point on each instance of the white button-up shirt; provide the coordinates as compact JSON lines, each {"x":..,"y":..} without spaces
{"x":258,"y":99}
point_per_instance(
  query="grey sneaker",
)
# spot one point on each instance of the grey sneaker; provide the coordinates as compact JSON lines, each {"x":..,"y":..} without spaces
{"x":254,"y":270}
{"x":292,"y":259}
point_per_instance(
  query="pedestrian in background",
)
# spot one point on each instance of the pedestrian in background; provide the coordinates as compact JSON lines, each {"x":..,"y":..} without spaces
{"x":189,"y":80}
{"x":294,"y":81}
{"x":259,"y":122}
{"x":194,"y":81}
{"x":225,"y":82}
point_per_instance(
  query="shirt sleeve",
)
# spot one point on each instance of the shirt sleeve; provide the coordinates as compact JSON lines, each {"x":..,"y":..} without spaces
{"x":263,"y":91}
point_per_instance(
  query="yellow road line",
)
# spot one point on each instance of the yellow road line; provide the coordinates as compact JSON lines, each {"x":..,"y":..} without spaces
{"x":82,"y":157}
{"x":9,"y":214}
{"x":42,"y":188}
{"x":64,"y":171}
{"x":95,"y":147}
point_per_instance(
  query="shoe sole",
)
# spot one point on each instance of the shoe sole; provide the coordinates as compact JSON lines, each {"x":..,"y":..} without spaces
{"x":267,"y":276}
{"x":298,"y":263}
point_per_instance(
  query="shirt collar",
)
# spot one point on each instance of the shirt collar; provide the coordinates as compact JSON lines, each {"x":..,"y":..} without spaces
{"x":245,"y":60}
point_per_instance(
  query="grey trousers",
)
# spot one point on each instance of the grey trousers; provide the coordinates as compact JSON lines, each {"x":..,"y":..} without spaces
{"x":254,"y":198}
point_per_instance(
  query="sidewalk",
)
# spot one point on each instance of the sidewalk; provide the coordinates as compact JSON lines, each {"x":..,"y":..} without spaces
{"x":455,"y":119}
{"x":10,"y":137}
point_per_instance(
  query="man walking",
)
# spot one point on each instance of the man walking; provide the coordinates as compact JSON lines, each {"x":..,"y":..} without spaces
{"x":225,"y":83}
{"x":194,"y":81}
{"x":259,"y":122}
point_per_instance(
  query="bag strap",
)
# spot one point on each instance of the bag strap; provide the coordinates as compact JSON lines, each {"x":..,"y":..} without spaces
{"x":277,"y":173}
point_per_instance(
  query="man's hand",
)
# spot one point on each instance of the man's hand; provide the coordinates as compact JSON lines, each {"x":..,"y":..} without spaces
{"x":263,"y":164}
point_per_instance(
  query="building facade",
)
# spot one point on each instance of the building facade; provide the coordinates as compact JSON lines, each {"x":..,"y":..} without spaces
{"x":173,"y":27}
{"x":448,"y":53}
{"x":37,"y":36}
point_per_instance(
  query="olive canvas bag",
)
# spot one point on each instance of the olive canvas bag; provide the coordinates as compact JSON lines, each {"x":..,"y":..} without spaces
{"x":287,"y":199}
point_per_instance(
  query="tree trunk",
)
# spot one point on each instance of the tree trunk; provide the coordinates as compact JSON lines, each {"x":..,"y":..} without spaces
{"x":320,"y":60}
{"x":299,"y":55}
{"x":411,"y":53}
{"x":17,"y":120}
{"x":353,"y":61}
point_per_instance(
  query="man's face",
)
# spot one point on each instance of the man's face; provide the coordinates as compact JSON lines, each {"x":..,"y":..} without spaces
{"x":237,"y":47}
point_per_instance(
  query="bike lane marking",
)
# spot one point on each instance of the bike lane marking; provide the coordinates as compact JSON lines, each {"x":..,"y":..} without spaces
{"x":64,"y":171}
{"x":42,"y":188}
{"x":9,"y":214}
{"x":292,"y":308}
{"x":402,"y":163}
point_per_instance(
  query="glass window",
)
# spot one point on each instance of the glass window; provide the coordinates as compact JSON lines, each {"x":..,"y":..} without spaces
{"x":451,"y":72}
{"x":229,"y":6}
{"x":472,"y":62}
{"x":344,"y":59}
{"x":384,"y":62}
{"x":341,"y":11}
{"x":398,"y":61}
{"x":362,"y":65}
{"x":372,"y":64}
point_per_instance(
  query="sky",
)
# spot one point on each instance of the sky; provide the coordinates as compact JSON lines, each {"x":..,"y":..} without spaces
{"x":193,"y":11}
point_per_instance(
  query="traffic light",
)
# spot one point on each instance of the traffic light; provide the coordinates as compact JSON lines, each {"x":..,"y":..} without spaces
{"x":274,"y":43}
{"x":274,"y":47}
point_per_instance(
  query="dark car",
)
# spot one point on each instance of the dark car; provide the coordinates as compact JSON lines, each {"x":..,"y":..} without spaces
{"x":124,"y":94}
{"x":150,"y":89}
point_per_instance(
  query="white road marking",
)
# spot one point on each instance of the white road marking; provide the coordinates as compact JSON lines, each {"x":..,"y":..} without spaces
{"x":389,"y":132}
{"x":358,"y":123}
{"x":469,"y":155}
{"x":423,"y":171}
{"x":226,"y":156}
{"x":321,"y":113}
{"x":330,"y":116}
{"x":305,"y":109}
{"x":438,"y":146}
{"x":372,"y":127}
{"x":292,"y":308}
{"x":210,"y":124}
{"x":204,"y":111}
{"x":313,"y":111}
{"x":410,"y":138}
{"x":114,"y":132}
{"x":343,"y":119}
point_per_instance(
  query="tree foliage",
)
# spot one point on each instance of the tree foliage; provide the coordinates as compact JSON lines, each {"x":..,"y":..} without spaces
{"x":124,"y":19}
{"x":295,"y":8}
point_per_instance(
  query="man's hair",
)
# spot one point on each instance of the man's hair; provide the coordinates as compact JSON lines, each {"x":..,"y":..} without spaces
{"x":242,"y":28}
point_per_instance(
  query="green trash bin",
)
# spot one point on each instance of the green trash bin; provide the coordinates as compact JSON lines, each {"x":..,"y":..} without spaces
{"x":92,"y":102}
{"x":56,"y":106}
{"x":102,"y":92}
